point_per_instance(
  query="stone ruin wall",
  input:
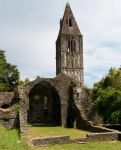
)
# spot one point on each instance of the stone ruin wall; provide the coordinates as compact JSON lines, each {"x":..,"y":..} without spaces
{"x":8,"y":111}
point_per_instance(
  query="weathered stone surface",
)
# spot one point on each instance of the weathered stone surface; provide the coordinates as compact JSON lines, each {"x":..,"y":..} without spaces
{"x":61,"y":84}
{"x":61,"y":100}
{"x":69,"y":48}
{"x":8,"y":115}
{"x":107,"y":136}
{"x":23,"y":113}
{"x":50,"y":140}
{"x":6,"y":97}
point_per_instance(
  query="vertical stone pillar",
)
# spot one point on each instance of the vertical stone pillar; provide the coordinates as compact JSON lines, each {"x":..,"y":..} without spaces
{"x":64,"y":59}
{"x":78,"y":61}
{"x":64,"y":114}
{"x":22,"y":110}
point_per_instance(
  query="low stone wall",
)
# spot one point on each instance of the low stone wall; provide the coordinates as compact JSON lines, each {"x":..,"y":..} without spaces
{"x":105,"y":135}
{"x":8,"y":124}
{"x":97,"y":129}
{"x":108,"y":136}
{"x":9,"y":118}
{"x":51,"y":140}
{"x":8,"y":114}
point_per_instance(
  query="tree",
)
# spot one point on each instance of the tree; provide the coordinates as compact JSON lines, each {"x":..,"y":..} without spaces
{"x":12,"y":76}
{"x":2,"y":65}
{"x":9,"y":74}
{"x":106,"y":95}
{"x":25,"y":81}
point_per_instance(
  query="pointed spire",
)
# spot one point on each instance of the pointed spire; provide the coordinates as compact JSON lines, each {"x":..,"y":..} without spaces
{"x":68,"y":7}
{"x":68,"y":23}
{"x":67,"y":4}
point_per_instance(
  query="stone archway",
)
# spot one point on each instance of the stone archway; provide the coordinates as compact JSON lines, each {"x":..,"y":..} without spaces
{"x":44,"y":104}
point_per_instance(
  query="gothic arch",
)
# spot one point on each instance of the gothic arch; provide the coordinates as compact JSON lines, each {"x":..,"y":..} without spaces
{"x":39,"y":110}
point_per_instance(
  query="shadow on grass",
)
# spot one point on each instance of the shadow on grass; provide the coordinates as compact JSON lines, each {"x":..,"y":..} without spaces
{"x":42,"y":125}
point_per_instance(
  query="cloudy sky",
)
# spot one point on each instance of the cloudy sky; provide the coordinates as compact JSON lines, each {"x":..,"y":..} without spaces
{"x":29,"y":28}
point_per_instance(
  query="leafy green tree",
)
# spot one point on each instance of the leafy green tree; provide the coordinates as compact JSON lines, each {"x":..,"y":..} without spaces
{"x":12,"y":76}
{"x":2,"y":65}
{"x":9,"y":74}
{"x":107,"y":96}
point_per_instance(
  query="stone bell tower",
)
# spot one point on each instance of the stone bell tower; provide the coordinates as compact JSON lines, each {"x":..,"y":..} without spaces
{"x":69,"y":47}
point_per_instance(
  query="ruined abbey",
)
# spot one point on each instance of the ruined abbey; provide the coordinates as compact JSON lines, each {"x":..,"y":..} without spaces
{"x":60,"y":101}
{"x":53,"y":100}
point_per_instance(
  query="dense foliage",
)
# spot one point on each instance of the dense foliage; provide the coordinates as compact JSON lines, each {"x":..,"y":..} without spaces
{"x":107,"y":97}
{"x":9,"y":74}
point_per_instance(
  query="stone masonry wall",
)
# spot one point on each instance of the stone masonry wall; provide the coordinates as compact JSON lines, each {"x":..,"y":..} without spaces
{"x":9,"y":119}
{"x":51,"y":140}
{"x":8,"y":112}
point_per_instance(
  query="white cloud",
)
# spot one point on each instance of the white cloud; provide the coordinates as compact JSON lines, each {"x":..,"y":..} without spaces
{"x":29,"y":31}
{"x":103,"y":57}
{"x":99,"y":62}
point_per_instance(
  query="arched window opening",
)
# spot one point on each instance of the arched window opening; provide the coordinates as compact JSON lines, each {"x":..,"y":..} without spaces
{"x":45,"y":107}
{"x":37,"y":99}
{"x":67,"y":22}
{"x":70,"y":22}
{"x":74,"y":45}
{"x":45,"y":102}
{"x":71,"y":45}
{"x":77,"y":95}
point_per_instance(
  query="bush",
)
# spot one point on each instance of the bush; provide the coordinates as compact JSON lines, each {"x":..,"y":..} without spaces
{"x":106,"y":95}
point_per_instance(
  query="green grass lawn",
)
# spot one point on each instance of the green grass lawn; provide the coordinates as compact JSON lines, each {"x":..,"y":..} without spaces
{"x":56,"y":131}
{"x":9,"y":141}
{"x":89,"y":146}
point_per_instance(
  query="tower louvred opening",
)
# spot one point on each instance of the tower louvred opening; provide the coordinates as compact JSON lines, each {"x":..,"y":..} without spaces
{"x":71,"y":45}
{"x":70,"y":22}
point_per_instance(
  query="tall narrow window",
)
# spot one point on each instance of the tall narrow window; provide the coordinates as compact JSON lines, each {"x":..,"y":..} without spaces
{"x":69,"y":46}
{"x":77,"y":95}
{"x":36,"y":99}
{"x":72,"y":48}
{"x":74,"y":45}
{"x":70,"y":22}
{"x":45,"y":107}
{"x":45,"y":102}
{"x":67,"y":22}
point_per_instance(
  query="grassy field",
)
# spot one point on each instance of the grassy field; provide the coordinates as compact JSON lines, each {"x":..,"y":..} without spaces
{"x":55,"y":131}
{"x":9,"y":141}
{"x":89,"y":146}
